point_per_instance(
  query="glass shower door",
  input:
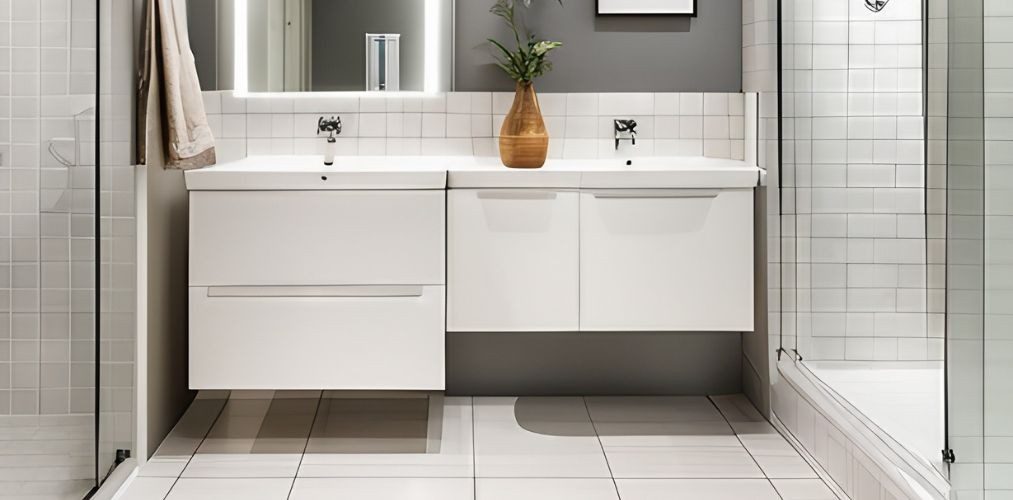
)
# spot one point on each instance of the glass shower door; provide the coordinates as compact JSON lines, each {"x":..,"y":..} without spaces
{"x":47,"y":277}
{"x":116,"y":228}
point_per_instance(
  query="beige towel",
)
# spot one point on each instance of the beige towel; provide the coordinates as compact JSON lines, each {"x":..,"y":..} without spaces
{"x":169,"y":74}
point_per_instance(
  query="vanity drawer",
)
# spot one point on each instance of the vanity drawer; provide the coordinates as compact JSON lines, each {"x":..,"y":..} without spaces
{"x":666,"y":260}
{"x":317,"y":237}
{"x":340,"y":338}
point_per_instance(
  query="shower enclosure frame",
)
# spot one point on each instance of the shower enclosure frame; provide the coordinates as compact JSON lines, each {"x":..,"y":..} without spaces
{"x":788,"y":259}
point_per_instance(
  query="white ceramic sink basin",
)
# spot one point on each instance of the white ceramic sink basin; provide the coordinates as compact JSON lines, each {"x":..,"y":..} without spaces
{"x":436,"y":172}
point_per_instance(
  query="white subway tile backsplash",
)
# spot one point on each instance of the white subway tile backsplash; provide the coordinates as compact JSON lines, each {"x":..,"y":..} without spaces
{"x":458,"y":125}
{"x":434,"y":125}
{"x":580,"y":125}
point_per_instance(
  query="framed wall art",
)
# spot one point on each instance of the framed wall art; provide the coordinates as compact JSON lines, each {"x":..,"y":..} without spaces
{"x":661,"y":7}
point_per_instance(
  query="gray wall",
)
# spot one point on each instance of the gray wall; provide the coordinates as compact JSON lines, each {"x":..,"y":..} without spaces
{"x":339,"y":32}
{"x":601,"y":53}
{"x":594,"y":363}
{"x":611,"y":53}
{"x":202,"y":20}
{"x":164,"y":219}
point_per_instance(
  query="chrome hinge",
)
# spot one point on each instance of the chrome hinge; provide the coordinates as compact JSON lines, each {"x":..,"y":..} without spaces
{"x":948,"y":456}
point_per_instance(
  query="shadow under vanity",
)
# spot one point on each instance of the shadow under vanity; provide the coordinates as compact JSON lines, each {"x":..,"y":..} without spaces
{"x":361,"y":275}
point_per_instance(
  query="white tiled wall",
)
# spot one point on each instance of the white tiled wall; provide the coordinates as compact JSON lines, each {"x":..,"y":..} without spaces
{"x":47,"y":76}
{"x":867,"y":289}
{"x":998,"y":369}
{"x":759,"y":46}
{"x":466,"y":123}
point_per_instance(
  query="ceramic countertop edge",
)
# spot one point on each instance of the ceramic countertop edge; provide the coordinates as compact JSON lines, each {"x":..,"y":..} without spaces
{"x":290,"y":173}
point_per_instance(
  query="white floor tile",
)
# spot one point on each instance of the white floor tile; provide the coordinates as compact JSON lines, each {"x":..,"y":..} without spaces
{"x":545,"y":489}
{"x":666,"y":434}
{"x":46,"y":457}
{"x":186,"y":436}
{"x":536,"y":437}
{"x":530,"y":448}
{"x":803,"y":489}
{"x":235,"y":465}
{"x":255,"y":438}
{"x":776,"y":457}
{"x":652,"y":409}
{"x":148,"y":488}
{"x":681,"y":462}
{"x":448,"y":450}
{"x":222,"y":489}
{"x":696,"y":489}
{"x":383,"y":489}
{"x":164,"y":467}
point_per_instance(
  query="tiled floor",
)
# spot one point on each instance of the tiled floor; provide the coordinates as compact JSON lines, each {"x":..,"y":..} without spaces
{"x":48,"y":457}
{"x":298,"y":446}
{"x":903,"y":398}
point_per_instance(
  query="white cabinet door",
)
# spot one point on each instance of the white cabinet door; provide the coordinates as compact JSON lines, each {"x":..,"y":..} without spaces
{"x":512,"y":260}
{"x":666,"y":260}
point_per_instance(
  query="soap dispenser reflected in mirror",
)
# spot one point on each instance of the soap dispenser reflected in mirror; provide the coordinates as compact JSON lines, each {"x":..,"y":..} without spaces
{"x":332,"y":127}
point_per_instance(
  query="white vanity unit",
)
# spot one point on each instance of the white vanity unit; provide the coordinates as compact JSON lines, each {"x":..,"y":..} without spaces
{"x":301,"y":278}
{"x":311,"y":277}
{"x":659,"y":245}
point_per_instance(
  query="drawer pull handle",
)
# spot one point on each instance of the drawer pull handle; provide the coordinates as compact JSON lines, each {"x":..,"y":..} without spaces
{"x":517,"y":195}
{"x":351,"y":291}
{"x":650,"y":194}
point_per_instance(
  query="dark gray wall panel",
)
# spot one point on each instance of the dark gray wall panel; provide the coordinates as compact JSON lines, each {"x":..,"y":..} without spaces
{"x":339,"y":41}
{"x":611,"y":53}
{"x":627,"y":363}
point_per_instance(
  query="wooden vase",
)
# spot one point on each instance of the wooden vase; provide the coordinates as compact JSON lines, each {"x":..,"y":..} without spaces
{"x":523,"y":140}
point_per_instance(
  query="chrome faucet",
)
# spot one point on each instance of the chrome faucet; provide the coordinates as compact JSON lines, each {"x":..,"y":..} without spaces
{"x":626,"y":130}
{"x":332,"y":127}
{"x":875,"y":5}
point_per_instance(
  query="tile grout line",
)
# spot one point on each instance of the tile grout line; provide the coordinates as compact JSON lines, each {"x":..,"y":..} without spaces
{"x":743,"y":445}
{"x":306,"y":445}
{"x":474,"y":453}
{"x":594,"y":427}
{"x":202,"y":439}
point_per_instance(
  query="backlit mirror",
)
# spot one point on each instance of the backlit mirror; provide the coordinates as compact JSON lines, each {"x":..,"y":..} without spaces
{"x":261,"y":46}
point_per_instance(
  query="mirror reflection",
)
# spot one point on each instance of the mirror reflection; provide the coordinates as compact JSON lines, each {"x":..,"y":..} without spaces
{"x":323,"y":45}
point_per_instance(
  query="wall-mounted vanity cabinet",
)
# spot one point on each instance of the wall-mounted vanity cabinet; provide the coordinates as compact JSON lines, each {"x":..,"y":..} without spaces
{"x":348,"y":277}
{"x":600,"y":260}
{"x":339,"y":287}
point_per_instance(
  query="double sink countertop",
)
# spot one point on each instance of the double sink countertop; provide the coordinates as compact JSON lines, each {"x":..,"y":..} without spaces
{"x":297,"y":173}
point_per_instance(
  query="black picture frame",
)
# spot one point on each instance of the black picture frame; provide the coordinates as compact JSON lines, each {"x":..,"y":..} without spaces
{"x":597,"y":7}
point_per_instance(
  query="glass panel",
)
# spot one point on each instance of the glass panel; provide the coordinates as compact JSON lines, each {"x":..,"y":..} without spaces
{"x":867,"y":218}
{"x":117,"y":283}
{"x":47,"y":280}
{"x":965,"y":268}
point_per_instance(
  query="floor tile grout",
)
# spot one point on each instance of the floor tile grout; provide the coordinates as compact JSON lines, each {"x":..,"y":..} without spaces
{"x":309,"y":434}
{"x":474,"y":451}
{"x":202,"y":439}
{"x":601,"y":445}
{"x":754,"y":459}
{"x":475,"y":475}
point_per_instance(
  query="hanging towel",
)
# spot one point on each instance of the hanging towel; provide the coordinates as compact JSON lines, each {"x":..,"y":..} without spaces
{"x":169,"y":74}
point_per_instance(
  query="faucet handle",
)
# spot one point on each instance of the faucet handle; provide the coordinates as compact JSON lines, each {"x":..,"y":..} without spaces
{"x":332,"y":126}
{"x":629,"y":126}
